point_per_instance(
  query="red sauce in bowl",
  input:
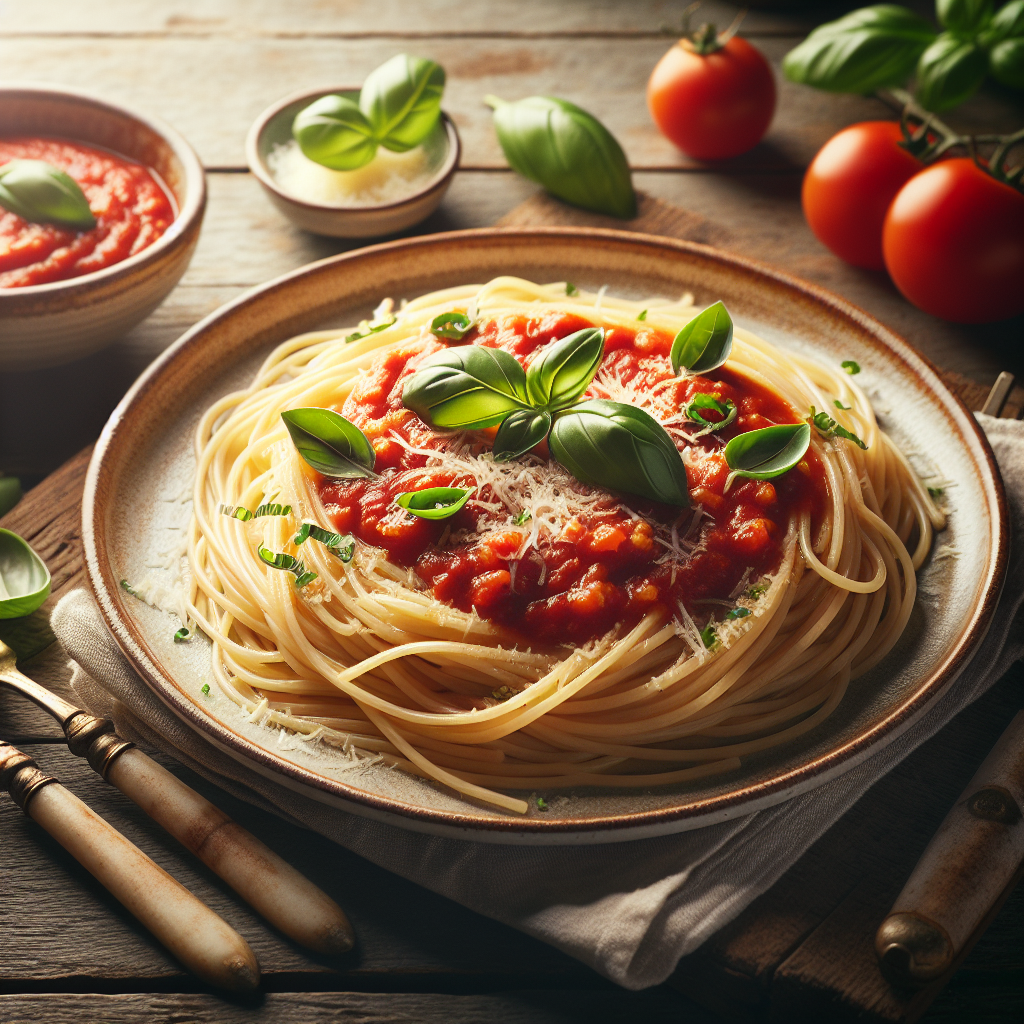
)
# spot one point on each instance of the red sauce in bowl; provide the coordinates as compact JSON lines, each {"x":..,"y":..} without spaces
{"x":605,"y":567}
{"x":131,"y":207}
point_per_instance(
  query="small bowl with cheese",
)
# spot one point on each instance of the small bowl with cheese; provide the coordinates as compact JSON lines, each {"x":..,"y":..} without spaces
{"x":392,"y":192}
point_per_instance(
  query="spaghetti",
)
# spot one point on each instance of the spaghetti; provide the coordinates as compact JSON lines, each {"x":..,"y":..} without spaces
{"x":549,"y":634}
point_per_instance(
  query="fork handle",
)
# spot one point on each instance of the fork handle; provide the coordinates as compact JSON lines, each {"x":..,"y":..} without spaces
{"x":271,"y":886}
{"x":202,"y":942}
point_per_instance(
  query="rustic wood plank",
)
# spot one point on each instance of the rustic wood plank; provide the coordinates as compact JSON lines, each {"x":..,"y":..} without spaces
{"x":525,"y":1006}
{"x":212,"y":89}
{"x":388,"y":17}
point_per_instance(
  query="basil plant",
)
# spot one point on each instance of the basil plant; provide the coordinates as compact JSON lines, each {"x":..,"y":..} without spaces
{"x":884,"y":45}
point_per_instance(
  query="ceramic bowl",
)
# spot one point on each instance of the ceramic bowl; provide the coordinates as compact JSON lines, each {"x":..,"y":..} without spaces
{"x":274,"y":127}
{"x":48,"y":324}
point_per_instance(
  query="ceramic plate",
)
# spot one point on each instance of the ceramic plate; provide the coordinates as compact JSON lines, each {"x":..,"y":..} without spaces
{"x":139,"y":486}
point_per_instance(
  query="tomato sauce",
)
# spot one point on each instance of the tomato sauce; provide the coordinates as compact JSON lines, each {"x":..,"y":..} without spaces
{"x":605,"y":566}
{"x":131,"y":208}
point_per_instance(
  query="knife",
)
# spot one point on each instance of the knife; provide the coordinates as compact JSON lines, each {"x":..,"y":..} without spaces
{"x":272,"y":887}
{"x":191,"y":931}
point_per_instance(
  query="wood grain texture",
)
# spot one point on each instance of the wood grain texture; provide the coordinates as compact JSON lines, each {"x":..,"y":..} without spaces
{"x":527,"y":1005}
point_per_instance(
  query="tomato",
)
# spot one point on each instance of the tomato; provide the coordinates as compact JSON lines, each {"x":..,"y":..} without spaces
{"x":849,"y":186}
{"x":712,"y":105}
{"x":954,"y":243}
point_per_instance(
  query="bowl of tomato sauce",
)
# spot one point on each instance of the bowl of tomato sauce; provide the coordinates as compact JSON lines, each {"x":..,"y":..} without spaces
{"x":66,"y":292}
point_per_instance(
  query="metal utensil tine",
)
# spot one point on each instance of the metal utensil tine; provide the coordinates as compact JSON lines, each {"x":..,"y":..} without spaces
{"x":998,"y":395}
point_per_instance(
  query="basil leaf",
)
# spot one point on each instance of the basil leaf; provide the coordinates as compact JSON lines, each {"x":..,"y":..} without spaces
{"x":1006,"y":62}
{"x":181,"y":635}
{"x":289,"y":563}
{"x":564,"y":370}
{"x":519,"y":432}
{"x":1008,"y":23}
{"x":330,"y":443}
{"x":368,"y":327}
{"x":571,"y":289}
{"x":700,"y":401}
{"x":401,"y":100}
{"x":868,"y":49}
{"x":466,"y":388}
{"x":43,"y":194}
{"x":339,"y":546}
{"x":838,"y":404}
{"x":568,"y":151}
{"x":434,"y":502}
{"x":334,"y":132}
{"x":621,"y":448}
{"x":949,"y":71}
{"x":453,"y":326}
{"x":705,"y":342}
{"x":965,"y":16}
{"x":767,"y":453}
{"x":828,"y":428}
{"x":642,"y":315}
{"x":24,"y":578}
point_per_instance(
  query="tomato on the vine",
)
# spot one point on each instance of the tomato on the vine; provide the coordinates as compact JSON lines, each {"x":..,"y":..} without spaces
{"x":954,"y":243}
{"x":713,"y":104}
{"x":849,"y":186}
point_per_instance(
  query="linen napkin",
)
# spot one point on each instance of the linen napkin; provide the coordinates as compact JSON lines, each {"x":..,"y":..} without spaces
{"x":630,"y":910}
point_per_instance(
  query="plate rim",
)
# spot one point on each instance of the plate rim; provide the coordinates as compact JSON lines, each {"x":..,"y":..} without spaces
{"x":619,"y":827}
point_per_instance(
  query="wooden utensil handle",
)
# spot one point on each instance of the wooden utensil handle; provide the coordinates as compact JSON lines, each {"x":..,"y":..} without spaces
{"x":191,"y":932}
{"x":286,"y":898}
{"x":967,"y":865}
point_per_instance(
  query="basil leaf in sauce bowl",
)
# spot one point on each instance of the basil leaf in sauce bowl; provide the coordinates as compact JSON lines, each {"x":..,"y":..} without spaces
{"x":43,"y":194}
{"x":466,"y":388}
{"x":621,"y":448}
{"x":519,"y":432}
{"x":726,"y":409}
{"x":402,"y":101}
{"x":334,"y":132}
{"x":453,"y":326}
{"x":330,"y":443}
{"x":703,"y":344}
{"x":434,"y":502}
{"x":565,"y":368}
{"x":24,"y":578}
{"x":567,"y":150}
{"x":767,"y":453}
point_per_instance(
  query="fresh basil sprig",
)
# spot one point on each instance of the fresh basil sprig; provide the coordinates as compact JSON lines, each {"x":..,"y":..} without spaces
{"x":703,"y":344}
{"x":399,"y":105}
{"x":882,"y":46}
{"x":564,"y":370}
{"x":828,"y":428}
{"x":466,"y":388}
{"x":289,"y":563}
{"x":43,"y":194}
{"x":567,"y":150}
{"x":24,"y":578}
{"x":622,"y":448}
{"x":341,"y":547}
{"x":434,"y":502}
{"x":726,"y":409}
{"x":519,"y":432}
{"x":453,"y":326}
{"x":330,"y":443}
{"x":766,"y":453}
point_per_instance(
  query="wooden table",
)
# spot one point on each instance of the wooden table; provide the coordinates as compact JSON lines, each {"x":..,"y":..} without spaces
{"x":67,"y":951}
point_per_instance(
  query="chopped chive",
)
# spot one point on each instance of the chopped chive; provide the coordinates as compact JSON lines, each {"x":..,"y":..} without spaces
{"x":850,"y":366}
{"x":828,"y":428}
{"x":181,"y":636}
{"x":524,"y":517}
{"x":642,"y":315}
{"x":205,"y":689}
{"x":125,"y":585}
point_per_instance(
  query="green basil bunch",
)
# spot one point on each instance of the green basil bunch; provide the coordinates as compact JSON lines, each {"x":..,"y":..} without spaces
{"x":43,"y":194}
{"x":604,"y":443}
{"x":399,"y":105}
{"x":882,"y":46}
{"x":568,"y":151}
